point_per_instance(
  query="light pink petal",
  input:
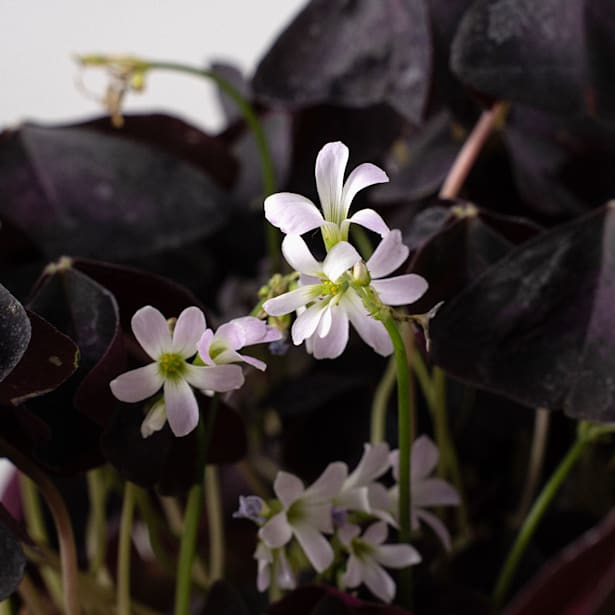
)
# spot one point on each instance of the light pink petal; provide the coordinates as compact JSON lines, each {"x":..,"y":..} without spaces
{"x":317,"y":514}
{"x":433,"y":492}
{"x":373,"y":463}
{"x":423,"y":457}
{"x":334,"y":343}
{"x":256,"y":331}
{"x":382,"y":504}
{"x":204,"y":345}
{"x":181,"y":405}
{"x":324,"y":326}
{"x":288,"y":488}
{"x":263,"y":577}
{"x":220,"y":378}
{"x":352,"y":576}
{"x":347,"y":533}
{"x":292,"y":213}
{"x":400,"y":290}
{"x":315,"y":546}
{"x":366,"y":174}
{"x":299,"y":257}
{"x":372,"y":331}
{"x":376,"y":533}
{"x":330,"y":482}
{"x":378,"y":580}
{"x":355,"y":498}
{"x":341,"y":257}
{"x":188,"y":331}
{"x":253,"y":361}
{"x":437,"y":526}
{"x":330,"y":168}
{"x":137,"y":384}
{"x":307,"y":322}
{"x":231,"y":334}
{"x":371,"y":220}
{"x":397,"y":556}
{"x":292,"y":300}
{"x":155,"y":420}
{"x":284,"y":573}
{"x":276,"y":532}
{"x":151,"y":330}
{"x":394,"y":459}
{"x":388,"y":255}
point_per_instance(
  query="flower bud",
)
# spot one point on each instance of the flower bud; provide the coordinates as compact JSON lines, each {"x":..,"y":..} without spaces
{"x":360,"y":274}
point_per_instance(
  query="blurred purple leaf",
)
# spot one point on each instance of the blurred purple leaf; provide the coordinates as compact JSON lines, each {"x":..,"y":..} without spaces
{"x":15,"y":332}
{"x":352,"y":53}
{"x":12,"y":562}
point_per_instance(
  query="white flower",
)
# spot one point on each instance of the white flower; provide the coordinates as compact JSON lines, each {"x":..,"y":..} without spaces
{"x":221,"y":348}
{"x":295,"y":214}
{"x":268,"y":559}
{"x":306,"y":514}
{"x":333,"y":295}
{"x":368,"y":555}
{"x":171,"y":371}
{"x":425,"y":491}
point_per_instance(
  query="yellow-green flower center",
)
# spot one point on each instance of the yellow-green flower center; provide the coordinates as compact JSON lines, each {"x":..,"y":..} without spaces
{"x":171,"y":365}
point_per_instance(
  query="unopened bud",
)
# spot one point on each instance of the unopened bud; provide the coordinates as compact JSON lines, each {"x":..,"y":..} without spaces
{"x":360,"y":274}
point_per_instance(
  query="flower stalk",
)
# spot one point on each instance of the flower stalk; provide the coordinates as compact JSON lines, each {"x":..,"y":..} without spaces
{"x":123,"y":555}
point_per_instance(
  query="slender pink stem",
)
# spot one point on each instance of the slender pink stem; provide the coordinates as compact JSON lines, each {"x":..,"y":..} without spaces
{"x":469,"y":152}
{"x":61,"y":519}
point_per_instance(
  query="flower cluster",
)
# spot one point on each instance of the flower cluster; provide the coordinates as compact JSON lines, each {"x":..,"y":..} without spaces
{"x":342,"y":289}
{"x":177,"y":367}
{"x":340,"y":522}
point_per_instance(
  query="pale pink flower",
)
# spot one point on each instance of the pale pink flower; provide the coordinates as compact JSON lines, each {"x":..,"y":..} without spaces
{"x":295,"y":214}
{"x":273,"y":561}
{"x":171,"y":370}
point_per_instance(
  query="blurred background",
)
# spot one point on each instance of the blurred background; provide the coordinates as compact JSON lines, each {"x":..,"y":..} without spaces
{"x":38,"y":74}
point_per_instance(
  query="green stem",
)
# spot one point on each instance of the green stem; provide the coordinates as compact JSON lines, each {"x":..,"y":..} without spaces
{"x":533,"y":519}
{"x":251,"y":119}
{"x":216,"y":523}
{"x":194,"y":509}
{"x":405,"y":436}
{"x":381,"y":402}
{"x":5,"y":607}
{"x":123,"y":555}
{"x":97,"y":526}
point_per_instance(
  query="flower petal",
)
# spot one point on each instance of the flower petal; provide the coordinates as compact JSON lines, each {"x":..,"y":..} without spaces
{"x":292,"y":213}
{"x":330,"y":482}
{"x":388,"y":255}
{"x":315,"y":546}
{"x":284,"y":573}
{"x":137,"y":384}
{"x":423,"y":457}
{"x":372,"y":331}
{"x":288,"y":488}
{"x":397,"y":556}
{"x":181,"y":405}
{"x":376,"y":533}
{"x":155,"y":419}
{"x":366,"y":174}
{"x":255,"y":331}
{"x":276,"y":532}
{"x":292,"y":300}
{"x":352,"y":576}
{"x":231,"y":334}
{"x":151,"y":330}
{"x":307,"y":322}
{"x":188,"y":331}
{"x":433,"y":492}
{"x":334,"y":343}
{"x":394,"y":459}
{"x":373,"y":463}
{"x":347,"y":533}
{"x":232,"y":356}
{"x":437,"y":526}
{"x":371,"y":220}
{"x":400,"y":290}
{"x":299,"y":257}
{"x":341,"y":257}
{"x":204,"y":345}
{"x":330,"y":167}
{"x":220,"y":378}
{"x":378,"y":580}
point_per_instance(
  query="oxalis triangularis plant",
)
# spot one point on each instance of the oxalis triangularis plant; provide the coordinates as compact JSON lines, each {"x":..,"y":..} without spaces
{"x":117,"y":372}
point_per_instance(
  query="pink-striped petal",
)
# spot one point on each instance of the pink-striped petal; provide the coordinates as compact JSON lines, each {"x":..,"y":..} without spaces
{"x":189,"y":328}
{"x":292,"y":213}
{"x":151,"y":330}
{"x":330,"y":168}
{"x":341,"y":257}
{"x":388,"y":255}
{"x":182,"y":407}
{"x":220,"y":378}
{"x":137,"y":384}
{"x":401,"y":289}
{"x":366,"y":174}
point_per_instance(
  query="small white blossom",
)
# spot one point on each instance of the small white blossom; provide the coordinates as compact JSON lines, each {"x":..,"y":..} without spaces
{"x":221,"y":347}
{"x":334,"y":295}
{"x":171,"y":371}
{"x":369,"y":556}
{"x":275,"y":560}
{"x":295,"y":214}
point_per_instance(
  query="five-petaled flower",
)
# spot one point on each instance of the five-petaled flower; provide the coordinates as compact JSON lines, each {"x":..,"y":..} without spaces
{"x":295,"y":214}
{"x":335,"y":295}
{"x":368,"y":555}
{"x":171,"y":370}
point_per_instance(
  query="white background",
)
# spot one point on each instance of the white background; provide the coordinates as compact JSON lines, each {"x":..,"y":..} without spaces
{"x":39,"y":38}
